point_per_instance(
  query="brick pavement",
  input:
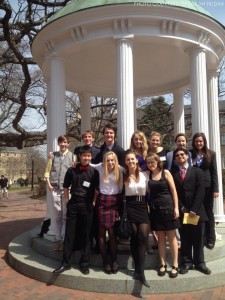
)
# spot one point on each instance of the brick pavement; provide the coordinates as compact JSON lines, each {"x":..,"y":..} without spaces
{"x":20,"y":213}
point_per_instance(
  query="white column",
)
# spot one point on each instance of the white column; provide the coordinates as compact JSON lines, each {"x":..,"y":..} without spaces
{"x":214,"y":140}
{"x":85,"y":107}
{"x":199,"y":104}
{"x":135,"y":113}
{"x":179,"y":120}
{"x":48,"y":207}
{"x":56,"y":111}
{"x":125,"y":93}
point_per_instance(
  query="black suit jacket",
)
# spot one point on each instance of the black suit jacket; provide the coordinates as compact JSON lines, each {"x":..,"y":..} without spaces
{"x":209,"y":169}
{"x":94,"y":152}
{"x":191,"y":191}
{"x":119,"y":151}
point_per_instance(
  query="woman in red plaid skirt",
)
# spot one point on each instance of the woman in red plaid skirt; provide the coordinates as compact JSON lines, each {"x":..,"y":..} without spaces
{"x":110,"y":186}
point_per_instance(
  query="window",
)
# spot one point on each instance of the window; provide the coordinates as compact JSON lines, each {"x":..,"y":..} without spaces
{"x":222,"y":120}
{"x":223,"y":139}
{"x":223,"y":162}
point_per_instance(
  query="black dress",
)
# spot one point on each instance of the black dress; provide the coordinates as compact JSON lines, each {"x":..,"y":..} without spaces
{"x":135,"y":200}
{"x":161,"y":205}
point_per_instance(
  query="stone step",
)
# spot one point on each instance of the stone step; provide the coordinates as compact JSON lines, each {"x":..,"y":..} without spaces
{"x":37,"y":266}
{"x":45,"y":247}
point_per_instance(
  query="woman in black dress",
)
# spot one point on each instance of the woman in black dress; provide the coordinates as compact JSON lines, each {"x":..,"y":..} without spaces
{"x":135,"y":183}
{"x":164,"y":211}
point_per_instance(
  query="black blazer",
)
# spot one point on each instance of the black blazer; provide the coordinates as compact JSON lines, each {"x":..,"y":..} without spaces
{"x":191,"y":192}
{"x":119,"y":151}
{"x":209,"y":169}
{"x":94,"y":151}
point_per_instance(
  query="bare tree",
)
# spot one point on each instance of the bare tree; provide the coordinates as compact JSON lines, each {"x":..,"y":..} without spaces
{"x":22,"y":91}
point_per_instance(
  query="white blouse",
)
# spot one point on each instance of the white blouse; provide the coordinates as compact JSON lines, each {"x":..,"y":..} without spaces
{"x":111,"y":187}
{"x":137,"y":188}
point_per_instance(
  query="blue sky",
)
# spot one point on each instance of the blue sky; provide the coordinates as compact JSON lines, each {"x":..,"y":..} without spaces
{"x":215,"y":7}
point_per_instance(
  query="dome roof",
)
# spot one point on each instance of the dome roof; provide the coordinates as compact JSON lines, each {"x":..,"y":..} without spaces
{"x":78,"y":5}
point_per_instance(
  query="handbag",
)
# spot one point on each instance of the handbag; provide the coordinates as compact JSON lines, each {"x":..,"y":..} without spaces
{"x":123,"y":226}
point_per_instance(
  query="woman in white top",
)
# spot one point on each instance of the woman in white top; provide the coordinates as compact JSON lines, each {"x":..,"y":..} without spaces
{"x":135,"y":183}
{"x":111,"y":184}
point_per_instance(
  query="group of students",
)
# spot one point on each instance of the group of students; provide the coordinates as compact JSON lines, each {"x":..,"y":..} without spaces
{"x":160,"y":187}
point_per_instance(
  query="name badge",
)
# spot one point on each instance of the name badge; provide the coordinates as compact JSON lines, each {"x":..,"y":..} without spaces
{"x":162,"y":158}
{"x":86,"y":183}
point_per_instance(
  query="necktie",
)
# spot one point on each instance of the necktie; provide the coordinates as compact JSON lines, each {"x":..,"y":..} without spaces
{"x":182,"y":174}
{"x":83,"y":168}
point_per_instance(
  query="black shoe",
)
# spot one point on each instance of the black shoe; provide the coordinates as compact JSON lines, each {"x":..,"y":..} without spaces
{"x":61,"y":269}
{"x":175,"y":274}
{"x":136,"y":275}
{"x":115,"y":267}
{"x":85,"y":270}
{"x":143,"y":281}
{"x":203,"y":269}
{"x":162,"y":272}
{"x":209,"y":246}
{"x":107,"y":269}
{"x":184,"y":269}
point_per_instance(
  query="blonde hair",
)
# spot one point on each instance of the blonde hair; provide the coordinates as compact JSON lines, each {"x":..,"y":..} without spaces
{"x":116,"y":170}
{"x":144,"y":147}
{"x":155,"y":133}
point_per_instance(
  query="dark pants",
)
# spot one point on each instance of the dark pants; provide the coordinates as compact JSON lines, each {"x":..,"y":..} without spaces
{"x":210,"y":235}
{"x":192,"y":244}
{"x":79,"y":211}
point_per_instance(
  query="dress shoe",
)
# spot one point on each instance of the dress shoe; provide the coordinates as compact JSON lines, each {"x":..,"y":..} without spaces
{"x":184,"y":269}
{"x":136,"y":275}
{"x":209,"y":246}
{"x":203,"y":269}
{"x":61,"y":269}
{"x":85,"y":270}
{"x":143,"y":281}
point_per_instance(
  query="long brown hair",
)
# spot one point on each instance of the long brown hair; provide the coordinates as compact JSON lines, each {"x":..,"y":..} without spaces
{"x":127,"y":174}
{"x":207,"y":153}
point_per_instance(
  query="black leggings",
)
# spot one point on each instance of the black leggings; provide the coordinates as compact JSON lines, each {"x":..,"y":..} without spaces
{"x":138,"y":243}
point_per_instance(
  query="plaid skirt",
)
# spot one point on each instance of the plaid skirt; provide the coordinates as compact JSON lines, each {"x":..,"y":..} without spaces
{"x":107,"y":208}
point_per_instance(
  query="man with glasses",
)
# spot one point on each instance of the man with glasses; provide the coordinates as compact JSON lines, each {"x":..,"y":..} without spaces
{"x":189,"y":183}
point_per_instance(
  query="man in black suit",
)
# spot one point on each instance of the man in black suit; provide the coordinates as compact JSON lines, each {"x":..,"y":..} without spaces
{"x":190,"y":188}
{"x":88,"y":139}
{"x":109,"y":133}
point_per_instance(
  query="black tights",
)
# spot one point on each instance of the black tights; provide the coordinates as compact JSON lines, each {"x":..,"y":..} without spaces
{"x":112,"y":244}
{"x":138,"y":244}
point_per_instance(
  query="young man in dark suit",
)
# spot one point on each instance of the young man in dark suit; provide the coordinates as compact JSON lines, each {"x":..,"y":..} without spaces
{"x":109,"y":133}
{"x":189,"y":184}
{"x":88,"y":138}
{"x":82,"y":181}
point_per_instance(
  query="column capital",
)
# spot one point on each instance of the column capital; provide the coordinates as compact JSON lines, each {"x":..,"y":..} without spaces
{"x":123,"y":37}
{"x":195,"y":49}
{"x":214,"y":72}
{"x":179,"y":90}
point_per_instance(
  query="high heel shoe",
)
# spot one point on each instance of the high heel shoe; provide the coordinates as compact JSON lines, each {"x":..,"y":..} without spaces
{"x":174,"y":275}
{"x":115,"y":267}
{"x":107,"y":269}
{"x":162,"y":272}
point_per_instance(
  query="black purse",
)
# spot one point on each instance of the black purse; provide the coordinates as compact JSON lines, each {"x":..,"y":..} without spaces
{"x":123,"y":225}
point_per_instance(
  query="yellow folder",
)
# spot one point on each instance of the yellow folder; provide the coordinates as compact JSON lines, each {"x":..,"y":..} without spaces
{"x":190,"y":220}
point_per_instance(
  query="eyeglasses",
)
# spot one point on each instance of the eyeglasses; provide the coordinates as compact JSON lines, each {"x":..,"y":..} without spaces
{"x":151,"y":162}
{"x":180,"y":154}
